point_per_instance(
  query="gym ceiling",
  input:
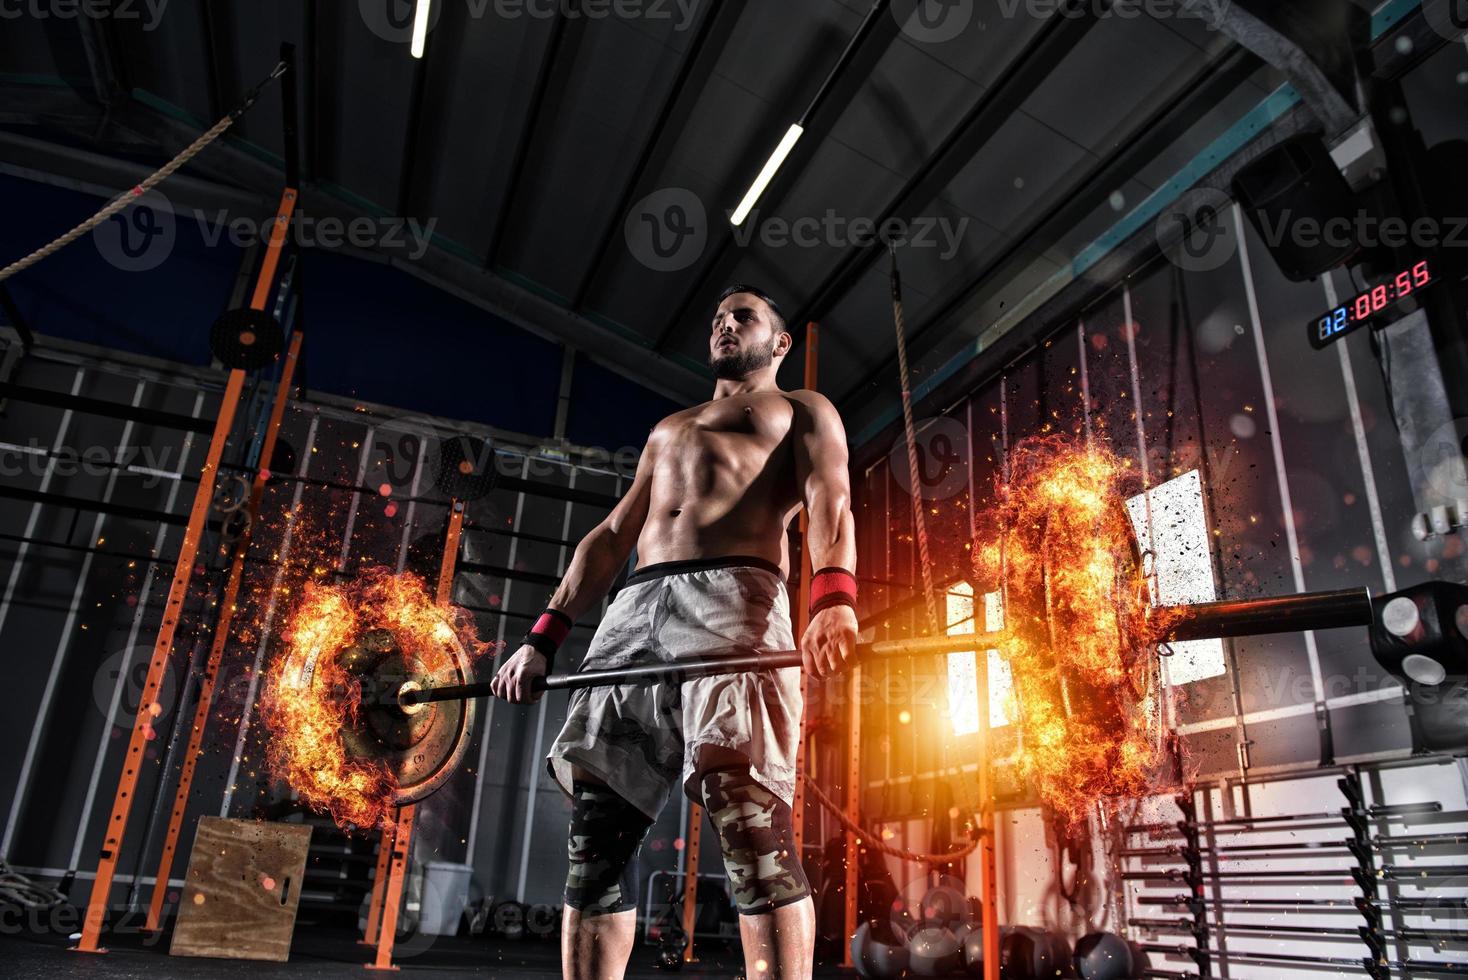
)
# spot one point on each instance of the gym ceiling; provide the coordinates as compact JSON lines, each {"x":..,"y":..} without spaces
{"x":533,"y":140}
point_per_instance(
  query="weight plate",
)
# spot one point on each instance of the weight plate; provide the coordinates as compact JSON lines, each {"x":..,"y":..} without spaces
{"x":420,"y":746}
{"x":247,"y":339}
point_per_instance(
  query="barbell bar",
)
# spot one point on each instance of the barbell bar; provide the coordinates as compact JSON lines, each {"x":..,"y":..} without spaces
{"x":1273,"y":959}
{"x":1351,"y":904}
{"x":1379,"y":811}
{"x":1276,"y":850}
{"x":1228,"y":618}
{"x":1402,"y":873}
{"x":1270,"y":929}
{"x":1453,"y":904}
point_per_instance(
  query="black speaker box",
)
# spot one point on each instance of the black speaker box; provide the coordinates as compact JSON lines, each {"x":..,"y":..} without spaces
{"x":1289,"y":194}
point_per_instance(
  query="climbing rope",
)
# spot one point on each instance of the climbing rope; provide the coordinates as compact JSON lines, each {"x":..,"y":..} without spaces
{"x":20,"y":891}
{"x":123,"y":201}
{"x":920,"y":524}
{"x":919,"y":518}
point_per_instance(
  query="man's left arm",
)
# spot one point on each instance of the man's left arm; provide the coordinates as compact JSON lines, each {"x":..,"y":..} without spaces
{"x":825,"y":486}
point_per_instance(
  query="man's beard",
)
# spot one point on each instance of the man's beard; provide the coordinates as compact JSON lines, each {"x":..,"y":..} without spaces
{"x":741,"y":364}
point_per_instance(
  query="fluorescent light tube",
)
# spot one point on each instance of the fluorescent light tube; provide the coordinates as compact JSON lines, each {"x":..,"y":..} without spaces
{"x":766,"y":175}
{"x":420,"y":27}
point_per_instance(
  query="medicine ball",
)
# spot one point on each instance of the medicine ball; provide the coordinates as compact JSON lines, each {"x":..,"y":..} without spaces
{"x":1103,"y":956}
{"x":943,"y":906}
{"x":1024,"y":954}
{"x":933,"y":951}
{"x":973,"y":952}
{"x":877,"y":954}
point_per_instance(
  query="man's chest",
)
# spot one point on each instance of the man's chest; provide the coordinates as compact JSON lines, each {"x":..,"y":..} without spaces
{"x":731,"y":430}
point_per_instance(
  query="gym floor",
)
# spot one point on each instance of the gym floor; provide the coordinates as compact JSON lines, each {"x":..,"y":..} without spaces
{"x":327,"y":954}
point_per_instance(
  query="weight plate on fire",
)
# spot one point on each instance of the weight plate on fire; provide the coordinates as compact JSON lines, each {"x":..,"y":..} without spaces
{"x":421,"y":746}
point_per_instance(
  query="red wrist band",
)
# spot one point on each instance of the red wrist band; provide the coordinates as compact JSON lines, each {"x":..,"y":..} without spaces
{"x":549,"y":632}
{"x":832,"y":586}
{"x":554,"y":625}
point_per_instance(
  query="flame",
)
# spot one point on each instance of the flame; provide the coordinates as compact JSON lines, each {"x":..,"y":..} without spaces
{"x":1076,"y":632}
{"x":310,"y":697}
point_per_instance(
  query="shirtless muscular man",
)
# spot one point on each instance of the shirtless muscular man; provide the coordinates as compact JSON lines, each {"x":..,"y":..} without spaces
{"x":715,"y":491}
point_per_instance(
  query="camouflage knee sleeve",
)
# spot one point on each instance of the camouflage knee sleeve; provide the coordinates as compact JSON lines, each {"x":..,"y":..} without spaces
{"x":606,"y":834}
{"x":757,"y":839}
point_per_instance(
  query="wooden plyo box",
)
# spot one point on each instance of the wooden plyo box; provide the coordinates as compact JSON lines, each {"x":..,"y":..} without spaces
{"x":242,"y":890}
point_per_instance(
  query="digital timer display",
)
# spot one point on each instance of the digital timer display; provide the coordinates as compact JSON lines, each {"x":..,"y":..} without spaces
{"x":1367,"y":305}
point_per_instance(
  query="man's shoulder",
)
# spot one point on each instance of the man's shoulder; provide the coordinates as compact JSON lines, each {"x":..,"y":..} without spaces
{"x":812,"y":401}
{"x":673,"y":418}
{"x":802,"y":399}
{"x":815,"y":415}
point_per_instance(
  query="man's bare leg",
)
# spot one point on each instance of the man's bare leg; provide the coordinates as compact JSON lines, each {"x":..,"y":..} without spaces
{"x":596,"y":947}
{"x":779,"y":945}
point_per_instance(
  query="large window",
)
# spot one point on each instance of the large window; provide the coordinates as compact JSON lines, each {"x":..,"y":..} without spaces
{"x":963,"y":681}
{"x":1171,"y":524}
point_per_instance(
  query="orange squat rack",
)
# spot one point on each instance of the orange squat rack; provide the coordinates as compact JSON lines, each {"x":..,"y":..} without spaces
{"x":142,"y":731}
{"x":397,"y":841}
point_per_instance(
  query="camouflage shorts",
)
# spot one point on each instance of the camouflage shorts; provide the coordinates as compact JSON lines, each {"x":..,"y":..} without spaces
{"x":642,"y":739}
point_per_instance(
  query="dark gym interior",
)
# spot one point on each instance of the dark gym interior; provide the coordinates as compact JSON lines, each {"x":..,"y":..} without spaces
{"x":1143,"y":327}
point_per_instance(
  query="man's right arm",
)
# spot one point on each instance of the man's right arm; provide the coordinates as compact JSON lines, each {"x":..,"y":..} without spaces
{"x":604,"y":550}
{"x":593,"y":568}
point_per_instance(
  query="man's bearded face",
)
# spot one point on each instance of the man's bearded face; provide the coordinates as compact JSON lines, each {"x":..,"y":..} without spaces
{"x":741,"y":358}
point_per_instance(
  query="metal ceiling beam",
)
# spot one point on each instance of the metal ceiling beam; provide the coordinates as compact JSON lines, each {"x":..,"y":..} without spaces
{"x":1133,"y":151}
{"x":95,"y":173}
{"x":137,"y":128}
{"x":1059,"y":296}
{"x":995,"y":106}
{"x":1273,"y":35}
{"x":852,"y":70}
{"x":703,"y":55}
{"x":56,"y":107}
{"x":567,"y":33}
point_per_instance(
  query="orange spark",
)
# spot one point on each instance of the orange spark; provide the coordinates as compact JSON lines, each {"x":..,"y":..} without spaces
{"x":1076,"y":632}
{"x":312,"y":699}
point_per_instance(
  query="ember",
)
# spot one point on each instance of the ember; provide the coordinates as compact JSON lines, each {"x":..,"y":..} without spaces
{"x":1076,"y":620}
{"x":333,"y":743}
